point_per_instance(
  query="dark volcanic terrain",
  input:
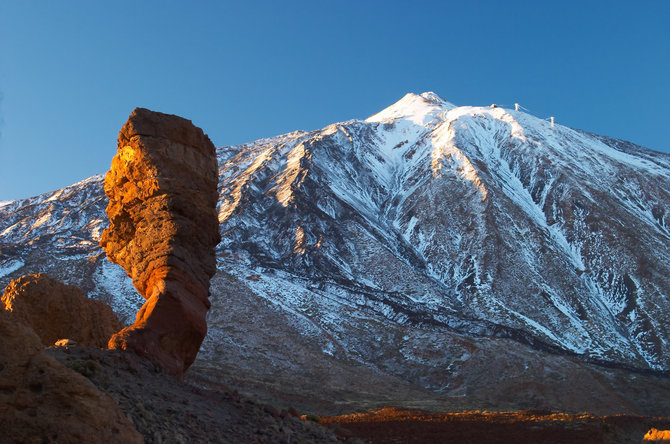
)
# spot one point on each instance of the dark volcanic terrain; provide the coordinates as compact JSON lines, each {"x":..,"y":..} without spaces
{"x":529,"y":426}
{"x":164,"y":410}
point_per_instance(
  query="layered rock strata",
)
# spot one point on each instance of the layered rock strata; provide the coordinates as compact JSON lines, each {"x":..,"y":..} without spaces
{"x":162,"y":190}
{"x":56,"y":311}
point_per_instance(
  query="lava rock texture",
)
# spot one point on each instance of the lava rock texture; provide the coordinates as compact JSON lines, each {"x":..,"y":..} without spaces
{"x":162,"y":190}
{"x":41,"y":400}
{"x":186,"y":413}
{"x":56,"y":311}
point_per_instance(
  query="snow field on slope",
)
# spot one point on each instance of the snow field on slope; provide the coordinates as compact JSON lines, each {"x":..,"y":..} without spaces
{"x":10,"y":266}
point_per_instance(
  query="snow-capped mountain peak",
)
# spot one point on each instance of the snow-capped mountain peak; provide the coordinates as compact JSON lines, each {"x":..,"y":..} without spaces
{"x":418,"y":243}
{"x":420,"y":109}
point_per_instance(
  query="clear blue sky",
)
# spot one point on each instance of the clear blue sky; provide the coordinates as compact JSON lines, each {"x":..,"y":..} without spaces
{"x":72,"y":71}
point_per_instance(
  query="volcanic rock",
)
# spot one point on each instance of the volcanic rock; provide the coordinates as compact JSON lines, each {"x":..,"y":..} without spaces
{"x":55,"y":310}
{"x":166,"y":411}
{"x":41,"y":400}
{"x":657,"y":435}
{"x":384,"y":251}
{"x":162,"y":190}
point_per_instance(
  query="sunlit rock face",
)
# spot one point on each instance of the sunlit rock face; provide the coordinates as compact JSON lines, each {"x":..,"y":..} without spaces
{"x":163,"y":230}
{"x":56,"y":311}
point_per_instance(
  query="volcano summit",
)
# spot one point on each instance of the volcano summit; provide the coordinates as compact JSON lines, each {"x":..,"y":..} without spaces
{"x":431,"y":255}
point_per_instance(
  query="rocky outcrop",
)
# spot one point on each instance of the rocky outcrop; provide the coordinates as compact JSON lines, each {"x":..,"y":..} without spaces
{"x":166,"y":411}
{"x":162,"y":190}
{"x":56,"y":311}
{"x":657,"y":435}
{"x":41,"y":400}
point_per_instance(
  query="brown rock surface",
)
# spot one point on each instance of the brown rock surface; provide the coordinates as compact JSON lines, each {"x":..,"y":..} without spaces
{"x":167,"y":411}
{"x":41,"y":400}
{"x":162,"y":190}
{"x":56,"y":311}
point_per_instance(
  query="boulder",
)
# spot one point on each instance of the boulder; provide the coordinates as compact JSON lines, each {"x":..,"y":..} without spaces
{"x":162,"y":189}
{"x":55,"y":310}
{"x":41,"y":400}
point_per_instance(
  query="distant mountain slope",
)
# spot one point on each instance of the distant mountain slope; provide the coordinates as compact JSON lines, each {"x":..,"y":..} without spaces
{"x":478,"y":218}
{"x":427,"y":247}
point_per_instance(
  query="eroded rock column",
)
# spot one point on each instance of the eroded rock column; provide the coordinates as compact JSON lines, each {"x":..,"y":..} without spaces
{"x":162,"y":190}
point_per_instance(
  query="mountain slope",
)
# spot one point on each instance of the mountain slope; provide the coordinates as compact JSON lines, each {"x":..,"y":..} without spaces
{"x":421,"y":250}
{"x":478,"y":215}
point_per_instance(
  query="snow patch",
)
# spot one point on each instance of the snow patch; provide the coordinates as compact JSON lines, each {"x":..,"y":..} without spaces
{"x":418,"y":109}
{"x":10,"y":266}
{"x":41,"y":221}
{"x":111,"y":280}
{"x":293,"y":175}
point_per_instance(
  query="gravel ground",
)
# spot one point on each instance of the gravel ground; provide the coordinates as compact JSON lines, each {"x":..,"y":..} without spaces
{"x":165,"y":410}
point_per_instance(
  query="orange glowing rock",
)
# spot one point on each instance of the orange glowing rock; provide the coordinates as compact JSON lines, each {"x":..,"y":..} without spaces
{"x":657,"y":435}
{"x":162,"y":190}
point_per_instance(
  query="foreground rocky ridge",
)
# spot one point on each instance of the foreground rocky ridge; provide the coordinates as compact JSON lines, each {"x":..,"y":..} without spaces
{"x":432,"y":254}
{"x":42,"y":400}
{"x":164,"y":410}
{"x":69,"y":393}
{"x":57,"y":311}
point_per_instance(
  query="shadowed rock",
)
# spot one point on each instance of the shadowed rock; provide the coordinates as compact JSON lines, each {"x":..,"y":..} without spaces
{"x":162,"y":190}
{"x":56,"y":311}
{"x":41,"y":400}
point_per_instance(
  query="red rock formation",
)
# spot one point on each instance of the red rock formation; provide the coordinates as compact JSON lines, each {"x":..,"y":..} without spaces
{"x":657,"y":435}
{"x":162,"y":190}
{"x":41,"y":400}
{"x":57,"y":311}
